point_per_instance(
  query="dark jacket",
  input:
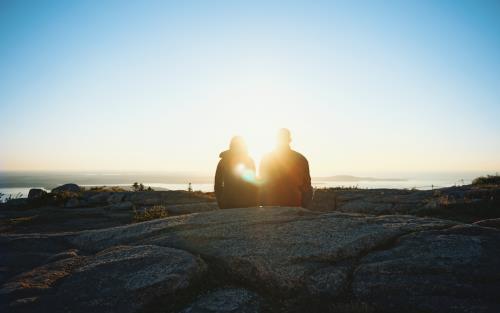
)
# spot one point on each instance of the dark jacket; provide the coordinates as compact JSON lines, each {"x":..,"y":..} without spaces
{"x":285,"y":179}
{"x":235,"y":185}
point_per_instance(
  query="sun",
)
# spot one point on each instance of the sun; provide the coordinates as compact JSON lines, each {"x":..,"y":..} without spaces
{"x":259,"y":143}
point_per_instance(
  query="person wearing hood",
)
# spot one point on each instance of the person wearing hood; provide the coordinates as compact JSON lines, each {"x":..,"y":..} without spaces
{"x":235,"y":185}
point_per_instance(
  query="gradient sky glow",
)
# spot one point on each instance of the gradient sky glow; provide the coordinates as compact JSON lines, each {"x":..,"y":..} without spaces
{"x":364,"y":86}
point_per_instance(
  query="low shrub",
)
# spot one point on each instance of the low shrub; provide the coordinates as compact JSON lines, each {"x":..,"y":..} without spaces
{"x":155,"y":212}
{"x":107,"y":189}
{"x":487,"y":180}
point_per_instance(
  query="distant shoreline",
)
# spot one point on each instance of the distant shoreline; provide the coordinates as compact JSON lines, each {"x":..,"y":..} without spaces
{"x":49,"y":180}
{"x":349,"y":178}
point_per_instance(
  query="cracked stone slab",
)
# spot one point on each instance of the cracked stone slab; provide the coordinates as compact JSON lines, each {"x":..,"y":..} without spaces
{"x":450,"y":270}
{"x":272,"y":248}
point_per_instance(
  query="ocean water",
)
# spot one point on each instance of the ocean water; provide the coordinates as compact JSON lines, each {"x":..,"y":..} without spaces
{"x":422,"y":184}
{"x":15,"y":192}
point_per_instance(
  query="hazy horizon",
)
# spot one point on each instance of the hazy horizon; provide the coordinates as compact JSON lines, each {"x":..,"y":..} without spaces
{"x":210,"y":172}
{"x":20,"y":182}
{"x":366,"y":87}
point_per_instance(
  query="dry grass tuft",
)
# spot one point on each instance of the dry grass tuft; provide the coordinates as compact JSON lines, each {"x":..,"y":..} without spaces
{"x":155,"y":212}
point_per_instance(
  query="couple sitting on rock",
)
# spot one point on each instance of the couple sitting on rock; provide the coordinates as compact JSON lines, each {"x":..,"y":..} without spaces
{"x":284,"y":177}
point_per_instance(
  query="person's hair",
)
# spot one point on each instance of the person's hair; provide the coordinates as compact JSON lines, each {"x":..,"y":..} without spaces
{"x":238,"y":144}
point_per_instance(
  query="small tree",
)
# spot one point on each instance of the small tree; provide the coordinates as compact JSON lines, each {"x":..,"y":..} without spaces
{"x":135,"y":186}
{"x":141,"y":187}
{"x":190,"y":188}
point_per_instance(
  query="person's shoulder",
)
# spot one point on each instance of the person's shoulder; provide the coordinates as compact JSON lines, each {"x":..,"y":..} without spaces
{"x":224,"y":154}
{"x":299,"y":156}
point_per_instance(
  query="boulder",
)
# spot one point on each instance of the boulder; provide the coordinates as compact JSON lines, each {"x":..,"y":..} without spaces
{"x":96,"y":198}
{"x":450,"y":270}
{"x":38,"y":280}
{"x":36,"y":193}
{"x":226,"y":300}
{"x":122,"y":278}
{"x":67,"y":188}
{"x":75,"y":202}
{"x":116,"y":197}
{"x":122,"y":206}
{"x":21,"y":253}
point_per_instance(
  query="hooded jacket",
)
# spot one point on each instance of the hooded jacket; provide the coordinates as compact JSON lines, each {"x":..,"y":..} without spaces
{"x":233,"y":184}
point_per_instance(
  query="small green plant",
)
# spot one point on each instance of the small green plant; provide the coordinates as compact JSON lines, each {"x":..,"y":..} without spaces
{"x":155,"y":212}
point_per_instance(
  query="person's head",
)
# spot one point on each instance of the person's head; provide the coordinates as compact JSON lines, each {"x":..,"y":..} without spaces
{"x":283,"y":139}
{"x":238,"y":145}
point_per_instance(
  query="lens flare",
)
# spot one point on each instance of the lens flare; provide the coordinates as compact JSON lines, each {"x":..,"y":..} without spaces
{"x":246,"y":174}
{"x":240,"y":168}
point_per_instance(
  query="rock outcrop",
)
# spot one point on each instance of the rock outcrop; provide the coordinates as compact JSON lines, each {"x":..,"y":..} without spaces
{"x":494,"y":222}
{"x":122,"y":278}
{"x":464,"y":203}
{"x":226,"y":300}
{"x":67,"y":188}
{"x":36,"y":193}
{"x":258,"y":260}
{"x":449,"y":270}
{"x":73,"y":211}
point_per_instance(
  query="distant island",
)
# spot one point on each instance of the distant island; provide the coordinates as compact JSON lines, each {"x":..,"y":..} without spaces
{"x":351,"y":178}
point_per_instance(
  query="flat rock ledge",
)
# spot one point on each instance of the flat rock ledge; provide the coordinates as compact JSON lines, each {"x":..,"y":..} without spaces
{"x":273,"y":259}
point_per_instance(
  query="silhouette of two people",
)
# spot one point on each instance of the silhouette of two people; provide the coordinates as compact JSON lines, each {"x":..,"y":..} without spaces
{"x":284,"y":177}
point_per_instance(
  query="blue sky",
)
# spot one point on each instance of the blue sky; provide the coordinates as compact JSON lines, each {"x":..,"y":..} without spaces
{"x":364,"y":86}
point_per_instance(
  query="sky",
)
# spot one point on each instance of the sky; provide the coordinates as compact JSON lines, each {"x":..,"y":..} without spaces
{"x":364,"y":86}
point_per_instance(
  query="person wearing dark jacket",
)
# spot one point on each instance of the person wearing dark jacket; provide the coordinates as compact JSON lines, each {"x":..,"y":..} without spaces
{"x":235,"y":185}
{"x":285,"y":176}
